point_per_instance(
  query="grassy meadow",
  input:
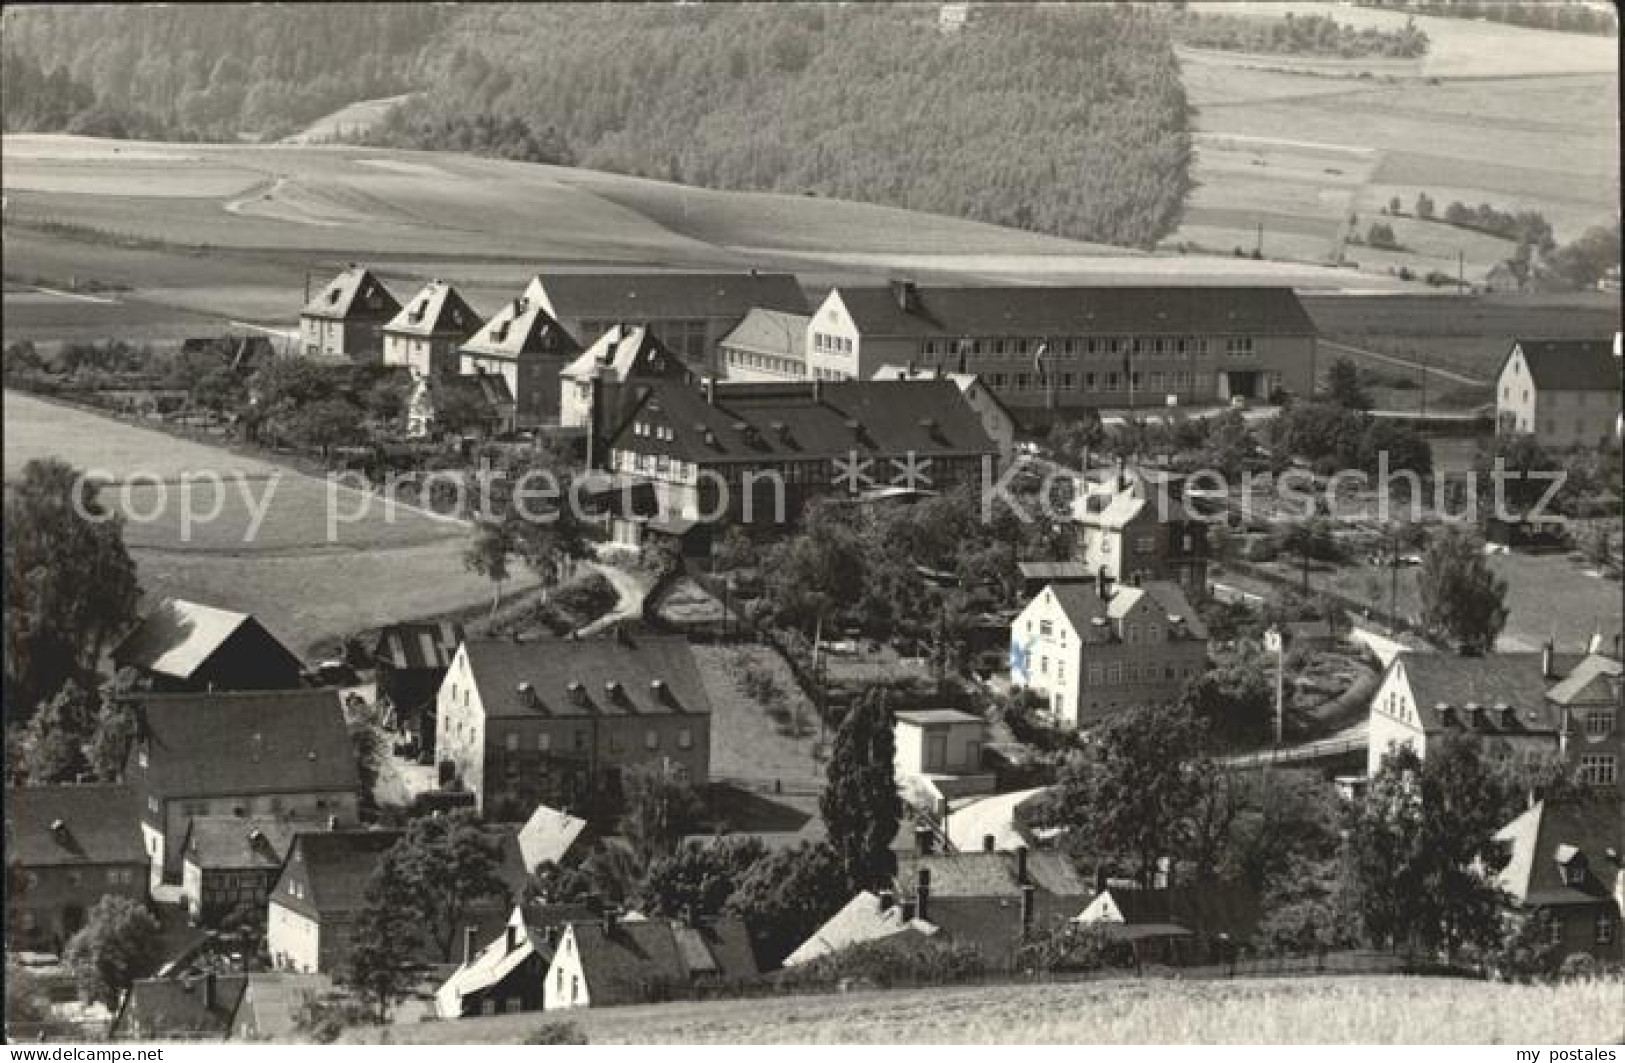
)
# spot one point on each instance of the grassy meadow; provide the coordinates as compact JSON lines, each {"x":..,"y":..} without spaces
{"x":1519,"y":118}
{"x":1373,"y":1010}
{"x":286,"y":570}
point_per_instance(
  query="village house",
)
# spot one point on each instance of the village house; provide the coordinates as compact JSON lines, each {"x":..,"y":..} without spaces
{"x":1523,"y":705}
{"x":558,"y":721}
{"x":1090,"y":649}
{"x":310,"y":922}
{"x":990,"y":899}
{"x":187,"y":647}
{"x":283,"y":753}
{"x":510,"y":973}
{"x":607,"y":961}
{"x":346,"y":318}
{"x":427,"y":332}
{"x":409,"y":662}
{"x":524,"y":346}
{"x":1181,"y":924}
{"x":620,"y":354}
{"x":866,"y":919}
{"x":767,"y":345}
{"x":759,"y":452}
{"x":1047,"y":349}
{"x":1564,"y":861}
{"x":202,"y":1007}
{"x":996,"y":416}
{"x":1565,"y":393}
{"x":67,"y":847}
{"x":690,"y":313}
{"x":1036,"y":575}
{"x":230,"y":864}
{"x":478,"y":405}
{"x":1132,"y":527}
{"x":271,"y":1003}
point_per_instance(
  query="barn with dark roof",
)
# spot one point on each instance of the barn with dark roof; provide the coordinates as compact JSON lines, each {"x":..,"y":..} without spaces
{"x":1564,"y":392}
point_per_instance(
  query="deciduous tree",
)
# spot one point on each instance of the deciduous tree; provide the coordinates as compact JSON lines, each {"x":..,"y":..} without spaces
{"x":1462,"y":598}
{"x":859,"y":804}
{"x":119,"y":943}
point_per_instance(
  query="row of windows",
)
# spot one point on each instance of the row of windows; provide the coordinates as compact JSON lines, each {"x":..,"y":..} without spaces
{"x":1129,"y":632}
{"x":1599,"y":723}
{"x":827,"y":344}
{"x":1108,"y":381}
{"x":765,"y":363}
{"x":1016,"y":346}
{"x":662,"y":432}
{"x":544,"y":740}
{"x":1599,"y":769}
{"x":113,"y":876}
{"x":830,"y":374}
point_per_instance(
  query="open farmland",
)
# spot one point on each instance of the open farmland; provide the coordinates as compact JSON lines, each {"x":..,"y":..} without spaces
{"x":257,"y":539}
{"x":1498,"y":114}
{"x":195,"y":234}
{"x":1394,"y":1010}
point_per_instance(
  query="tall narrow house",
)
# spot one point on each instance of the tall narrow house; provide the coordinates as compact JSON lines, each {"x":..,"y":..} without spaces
{"x":524,"y":345}
{"x":346,"y":318}
{"x":425,"y":335}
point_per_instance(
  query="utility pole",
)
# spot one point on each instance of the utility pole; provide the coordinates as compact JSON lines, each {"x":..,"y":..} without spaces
{"x":1461,"y":272}
{"x":1277,"y":645}
{"x":1258,"y":245}
{"x":1424,"y":382}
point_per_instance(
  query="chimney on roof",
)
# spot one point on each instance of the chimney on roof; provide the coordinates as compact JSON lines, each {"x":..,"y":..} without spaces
{"x":1504,"y":715}
{"x":612,"y":689}
{"x":255,"y":836}
{"x":1103,"y":584}
{"x":1100,"y":879}
{"x":59,"y":827}
{"x":208,"y":991}
{"x":907,"y":294}
{"x":1021,"y":864}
{"x":988,"y":842}
{"x":578,"y":691}
{"x":708,"y":385}
{"x":512,"y":937}
{"x":527,"y":695}
{"x":1122,"y":474}
{"x":887,"y":899}
{"x":924,"y":838}
{"x":922,"y":894}
{"x":1475,"y":715}
{"x":1029,"y":899}
{"x":657,"y":690}
{"x":608,"y":919}
{"x":1546,"y":660}
{"x":468,"y":945}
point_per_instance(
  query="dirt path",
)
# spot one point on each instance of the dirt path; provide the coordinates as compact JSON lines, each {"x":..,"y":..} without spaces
{"x":1406,"y":363}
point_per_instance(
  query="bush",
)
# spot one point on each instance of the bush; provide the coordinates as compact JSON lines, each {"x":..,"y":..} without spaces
{"x":587,"y":598}
{"x":556,"y":1033}
{"x":894,"y":962}
{"x":762,"y":687}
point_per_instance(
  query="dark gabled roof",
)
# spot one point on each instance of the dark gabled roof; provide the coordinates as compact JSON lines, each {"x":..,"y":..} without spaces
{"x":1594,"y":680}
{"x":521,"y":329}
{"x":1082,"y":604}
{"x":159,"y":1007}
{"x":246,"y":742}
{"x":617,"y":962}
{"x":225,"y":843}
{"x":100,"y":825}
{"x":336,"y":866}
{"x":550,"y":666}
{"x":1056,"y":571}
{"x":927,"y":717}
{"x":1551,"y":831}
{"x":410,"y":647}
{"x":1076,"y":311}
{"x":1514,"y":680}
{"x":624,"y":352}
{"x":349,"y":293}
{"x":489,"y":388}
{"x":642,"y":297}
{"x":436,"y":310}
{"x":1212,"y":908}
{"x":784,"y":422}
{"x":979,"y":874}
{"x":177,"y":637}
{"x":1571,"y":365}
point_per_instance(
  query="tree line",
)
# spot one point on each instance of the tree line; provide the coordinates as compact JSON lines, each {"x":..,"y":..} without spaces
{"x":207,"y":71}
{"x":1308,"y":35}
{"x":1534,"y":14}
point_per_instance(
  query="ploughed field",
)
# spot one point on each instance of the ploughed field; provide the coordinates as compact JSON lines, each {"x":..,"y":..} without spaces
{"x":1352,"y":1010}
{"x":1499,"y":114}
{"x":204,"y":522}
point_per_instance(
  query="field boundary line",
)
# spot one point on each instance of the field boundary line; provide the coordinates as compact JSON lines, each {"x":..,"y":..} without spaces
{"x":76,"y":295}
{"x":1406,"y":363}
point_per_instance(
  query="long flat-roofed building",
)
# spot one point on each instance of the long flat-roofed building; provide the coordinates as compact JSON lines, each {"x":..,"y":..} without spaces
{"x":1072,"y":348}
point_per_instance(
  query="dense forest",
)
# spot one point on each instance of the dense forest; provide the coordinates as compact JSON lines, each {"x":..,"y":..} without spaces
{"x":1068,"y":120}
{"x":1566,"y":16}
{"x":206,"y":71}
{"x":1307,"y":35}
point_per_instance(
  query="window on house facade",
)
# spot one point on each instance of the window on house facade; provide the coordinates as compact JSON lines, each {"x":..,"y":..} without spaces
{"x":1094,"y":675}
{"x":685,"y":739}
{"x":1605,"y":929}
{"x":651,"y":739}
{"x":1114,"y":674}
{"x":1598,"y":769}
{"x":1599,"y":723}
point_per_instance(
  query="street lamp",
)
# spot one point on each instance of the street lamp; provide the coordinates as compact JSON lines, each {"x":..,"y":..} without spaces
{"x":1276,"y":644}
